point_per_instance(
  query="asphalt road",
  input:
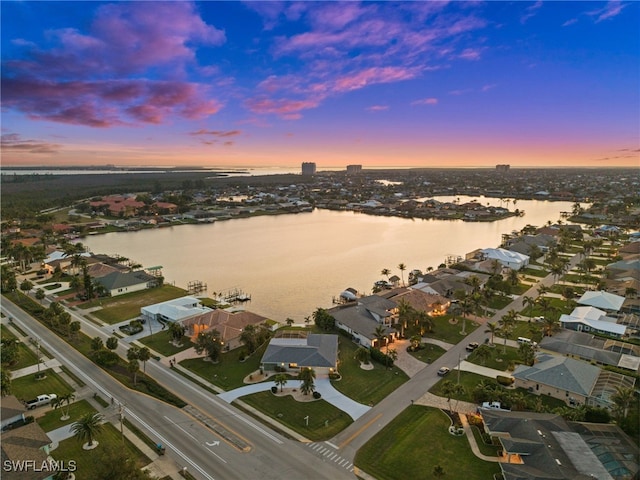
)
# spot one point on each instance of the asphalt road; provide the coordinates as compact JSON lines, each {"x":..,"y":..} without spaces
{"x":206,"y":454}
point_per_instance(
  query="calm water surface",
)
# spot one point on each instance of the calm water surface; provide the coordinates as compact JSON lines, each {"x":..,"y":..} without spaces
{"x":292,"y":264}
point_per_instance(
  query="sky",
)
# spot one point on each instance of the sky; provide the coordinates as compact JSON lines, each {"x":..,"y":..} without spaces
{"x":270,"y":83}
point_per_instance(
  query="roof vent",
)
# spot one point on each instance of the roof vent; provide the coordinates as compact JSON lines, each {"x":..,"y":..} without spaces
{"x":558,"y":462}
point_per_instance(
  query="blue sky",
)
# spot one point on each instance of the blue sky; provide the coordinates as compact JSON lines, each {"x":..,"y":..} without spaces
{"x":278,"y":83}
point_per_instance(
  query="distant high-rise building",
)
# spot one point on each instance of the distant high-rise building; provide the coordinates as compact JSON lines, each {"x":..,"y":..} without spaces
{"x":308,"y":168}
{"x":352,"y":169}
{"x":503,"y":167}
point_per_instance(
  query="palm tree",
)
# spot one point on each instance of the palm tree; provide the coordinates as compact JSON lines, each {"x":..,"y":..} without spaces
{"x":542,"y":289}
{"x":507,"y":322}
{"x":549,"y":327}
{"x":87,"y":428}
{"x":529,"y":303}
{"x":493,"y":329}
{"x":483,"y":352}
{"x":307,"y":375}
{"x":386,"y":272}
{"x":133,"y":367}
{"x":450,"y":389}
{"x":61,"y":401}
{"x":144,"y":354}
{"x":380,"y":333}
{"x":527,"y":353}
{"x":281,"y":380}
{"x":415,"y":340}
{"x":622,"y":400}
{"x":402,"y":267}
{"x":513,"y":277}
{"x":425,"y":322}
{"x":438,"y":471}
{"x":363,"y":355}
{"x":392,"y":356}
{"x":177,"y":331}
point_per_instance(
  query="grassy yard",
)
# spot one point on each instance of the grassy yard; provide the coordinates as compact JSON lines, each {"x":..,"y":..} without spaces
{"x":448,"y":332}
{"x":126,"y":307}
{"x":51,"y":419}
{"x":498,"y":360}
{"x":109,"y":437}
{"x":6,"y":333}
{"x":525,"y":329}
{"x":161,"y":343}
{"x":534,"y":272}
{"x":429,"y":353}
{"x":27,"y":357}
{"x":414,"y":443}
{"x":467,"y":379}
{"x":365,"y":386}
{"x":325,"y":420}
{"x":229,"y":372}
{"x":498,"y":302}
{"x":27,"y":387}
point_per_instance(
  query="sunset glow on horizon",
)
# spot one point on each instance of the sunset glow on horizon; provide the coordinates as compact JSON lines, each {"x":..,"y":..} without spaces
{"x":422,"y":84}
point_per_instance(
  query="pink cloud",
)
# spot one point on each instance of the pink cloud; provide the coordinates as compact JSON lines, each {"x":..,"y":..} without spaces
{"x":13,"y":142}
{"x":287,"y":109}
{"x":374,"y":75}
{"x":217,"y":133}
{"x":470,"y":54}
{"x":612,"y":9}
{"x":425,"y":101}
{"x":378,"y":108}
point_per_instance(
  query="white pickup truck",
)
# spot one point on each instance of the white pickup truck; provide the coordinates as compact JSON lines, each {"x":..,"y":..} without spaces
{"x":494,"y":406}
{"x":40,"y":400}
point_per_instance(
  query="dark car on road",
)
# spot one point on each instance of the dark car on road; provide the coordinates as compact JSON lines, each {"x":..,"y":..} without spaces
{"x":472,"y":346}
{"x":443,"y":371}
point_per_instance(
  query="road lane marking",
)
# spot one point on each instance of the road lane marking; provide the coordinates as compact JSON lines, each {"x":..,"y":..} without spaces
{"x":332,"y":445}
{"x":222,"y":459}
{"x":362,"y":429}
{"x":182,"y":429}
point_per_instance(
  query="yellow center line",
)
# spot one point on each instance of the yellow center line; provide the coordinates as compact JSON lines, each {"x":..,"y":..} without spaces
{"x":362,"y":429}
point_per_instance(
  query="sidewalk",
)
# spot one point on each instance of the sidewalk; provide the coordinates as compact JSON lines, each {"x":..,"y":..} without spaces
{"x":480,"y":370}
{"x":44,"y":365}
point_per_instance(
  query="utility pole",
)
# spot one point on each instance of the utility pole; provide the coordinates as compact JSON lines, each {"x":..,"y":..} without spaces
{"x":121,"y":422}
{"x":458,"y":369}
{"x":38,"y":354}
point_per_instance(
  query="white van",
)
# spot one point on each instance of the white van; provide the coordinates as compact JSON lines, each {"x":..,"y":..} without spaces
{"x":522,"y":340}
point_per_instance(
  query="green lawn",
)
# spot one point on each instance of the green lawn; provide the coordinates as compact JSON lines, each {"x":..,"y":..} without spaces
{"x":524,"y":329}
{"x":364,"y":386}
{"x":229,"y":372}
{"x":414,"y":443}
{"x":325,"y":420}
{"x":498,"y":302}
{"x":126,"y":307}
{"x":51,"y":419}
{"x":6,"y":333}
{"x":161,"y":343}
{"x":534,"y":272}
{"x":27,"y":357}
{"x":429,"y":353}
{"x":27,"y":387}
{"x":498,"y":360}
{"x":467,"y":379}
{"x":109,"y":437}
{"x":448,"y":332}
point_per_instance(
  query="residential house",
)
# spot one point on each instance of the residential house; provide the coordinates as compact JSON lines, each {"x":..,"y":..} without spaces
{"x":119,"y":283}
{"x":539,"y":446}
{"x":431,"y":303}
{"x":20,"y":442}
{"x":573,"y":381}
{"x":175,"y":310}
{"x":591,"y":319}
{"x":604,"y":300}
{"x":229,"y":325}
{"x":524,"y":243}
{"x":298,"y":351}
{"x":506,"y":258}
{"x":590,"y":348}
{"x":363,"y":318}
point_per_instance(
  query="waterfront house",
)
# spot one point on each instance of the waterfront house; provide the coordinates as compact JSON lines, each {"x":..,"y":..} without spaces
{"x":506,"y":258}
{"x":229,"y":325}
{"x":604,"y":300}
{"x":174,"y":310}
{"x":301,"y":350}
{"x":119,"y":283}
{"x":363,"y":318}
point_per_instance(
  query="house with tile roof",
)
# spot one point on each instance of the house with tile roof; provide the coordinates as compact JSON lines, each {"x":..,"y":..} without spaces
{"x":228,"y":324}
{"x":363,"y":318}
{"x":540,"y":446}
{"x":573,"y":381}
{"x":174,"y":310}
{"x":293,"y":353}
{"x":26,"y":443}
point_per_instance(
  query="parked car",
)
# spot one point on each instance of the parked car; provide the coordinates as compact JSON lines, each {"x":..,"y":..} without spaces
{"x":472,"y":346}
{"x":40,"y":400}
{"x":443,"y":371}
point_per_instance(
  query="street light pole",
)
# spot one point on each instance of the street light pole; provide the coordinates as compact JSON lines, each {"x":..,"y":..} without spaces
{"x":458,"y":369}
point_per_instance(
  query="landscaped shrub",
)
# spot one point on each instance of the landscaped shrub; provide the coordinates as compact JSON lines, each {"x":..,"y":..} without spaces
{"x":274,"y":389}
{"x":316,"y":395}
{"x":380,"y":357}
{"x":506,"y":381}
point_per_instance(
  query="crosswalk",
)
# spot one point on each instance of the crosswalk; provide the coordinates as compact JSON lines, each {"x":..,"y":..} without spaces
{"x":325,"y":450}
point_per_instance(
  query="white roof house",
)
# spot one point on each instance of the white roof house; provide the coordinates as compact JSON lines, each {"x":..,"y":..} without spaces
{"x":174,"y":310}
{"x":507,"y":258}
{"x":605,"y":300}
{"x":587,"y":319}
